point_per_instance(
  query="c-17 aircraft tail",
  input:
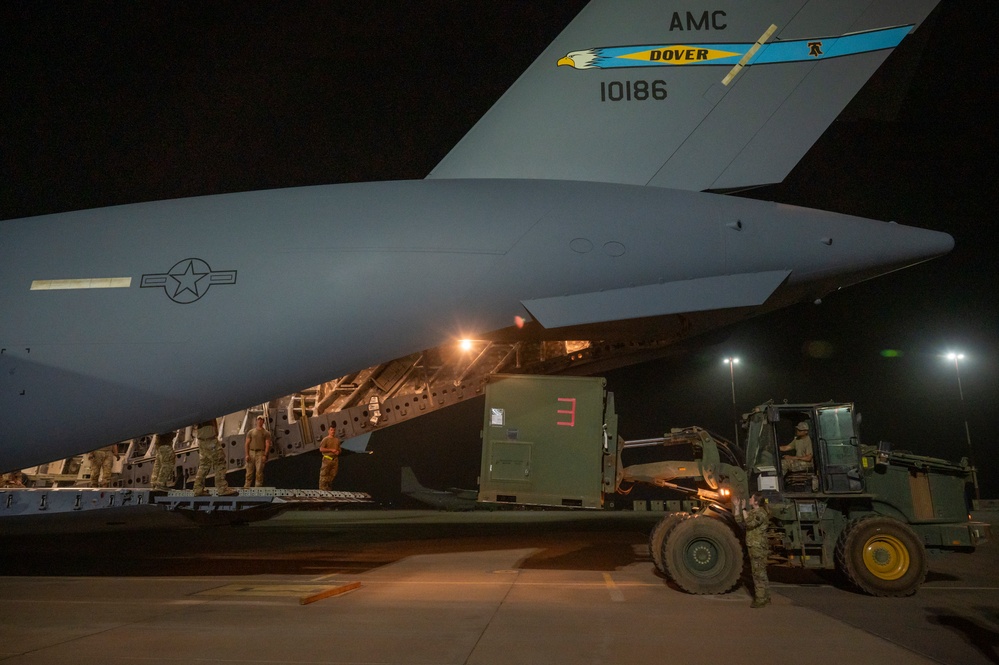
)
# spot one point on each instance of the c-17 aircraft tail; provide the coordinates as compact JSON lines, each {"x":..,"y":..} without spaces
{"x":121,"y":321}
{"x":695,"y":95}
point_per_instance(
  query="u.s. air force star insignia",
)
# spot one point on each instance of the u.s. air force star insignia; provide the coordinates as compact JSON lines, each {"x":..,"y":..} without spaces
{"x":188,"y":280}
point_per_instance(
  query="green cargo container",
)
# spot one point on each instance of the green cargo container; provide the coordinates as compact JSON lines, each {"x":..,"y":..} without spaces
{"x":547,"y":440}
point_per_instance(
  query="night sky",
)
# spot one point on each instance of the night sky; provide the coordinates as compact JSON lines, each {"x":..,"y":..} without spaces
{"x":119,"y":102}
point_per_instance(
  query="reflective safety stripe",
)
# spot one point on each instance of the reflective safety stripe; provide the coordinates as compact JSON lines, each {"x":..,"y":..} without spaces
{"x":87,"y":283}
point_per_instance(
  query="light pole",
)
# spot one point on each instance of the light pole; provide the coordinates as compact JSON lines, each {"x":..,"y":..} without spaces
{"x":957,"y":357}
{"x":732,"y":362}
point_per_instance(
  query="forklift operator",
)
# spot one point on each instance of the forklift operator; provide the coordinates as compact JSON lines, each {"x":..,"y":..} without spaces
{"x":801,"y":459}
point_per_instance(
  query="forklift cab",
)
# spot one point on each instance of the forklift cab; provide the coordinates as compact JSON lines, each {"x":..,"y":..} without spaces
{"x":836,"y":458}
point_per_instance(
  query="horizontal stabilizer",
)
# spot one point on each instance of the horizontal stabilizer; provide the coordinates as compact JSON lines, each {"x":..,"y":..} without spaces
{"x":691,"y":295}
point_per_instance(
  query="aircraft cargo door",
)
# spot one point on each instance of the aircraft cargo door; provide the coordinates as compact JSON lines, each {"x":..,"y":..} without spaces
{"x":542,"y":441}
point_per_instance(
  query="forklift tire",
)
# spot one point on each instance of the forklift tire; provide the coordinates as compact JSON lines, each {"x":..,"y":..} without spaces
{"x":881,"y":556}
{"x":659,"y":534}
{"x":702,"y":555}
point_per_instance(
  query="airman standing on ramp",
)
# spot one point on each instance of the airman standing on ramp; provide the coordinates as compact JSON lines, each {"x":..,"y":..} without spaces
{"x":165,"y":458}
{"x":101,"y":461}
{"x":211,"y":460}
{"x":258,"y":448}
{"x":330,"y":448}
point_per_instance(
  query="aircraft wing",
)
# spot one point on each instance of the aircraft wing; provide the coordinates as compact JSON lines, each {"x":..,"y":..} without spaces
{"x":689,"y":295}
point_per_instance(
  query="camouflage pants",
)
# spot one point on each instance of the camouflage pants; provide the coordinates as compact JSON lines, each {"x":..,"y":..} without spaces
{"x":162,"y":475}
{"x":758,"y":563}
{"x":331,"y":464}
{"x":795,"y":466}
{"x":210,"y":460}
{"x":100,"y":468}
{"x":255,"y":469}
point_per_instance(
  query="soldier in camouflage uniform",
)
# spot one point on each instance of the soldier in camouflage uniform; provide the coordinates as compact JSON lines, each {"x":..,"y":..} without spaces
{"x":756,"y":518}
{"x":165,"y":458}
{"x":210,"y":460}
{"x":801,"y":447}
{"x":12,"y":479}
{"x":330,"y":449}
{"x":258,"y":449}
{"x":101,"y":461}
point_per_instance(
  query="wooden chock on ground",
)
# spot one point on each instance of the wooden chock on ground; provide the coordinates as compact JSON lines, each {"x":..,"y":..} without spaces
{"x":326,"y":593}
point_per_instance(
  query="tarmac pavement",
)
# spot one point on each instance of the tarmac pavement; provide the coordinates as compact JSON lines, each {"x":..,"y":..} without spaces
{"x":506,"y":587}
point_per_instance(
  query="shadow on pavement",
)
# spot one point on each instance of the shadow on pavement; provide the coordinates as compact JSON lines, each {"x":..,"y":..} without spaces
{"x":316,"y":546}
{"x":983,"y":638}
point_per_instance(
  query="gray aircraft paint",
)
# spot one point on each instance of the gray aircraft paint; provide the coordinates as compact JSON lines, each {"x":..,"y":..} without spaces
{"x":236,"y":299}
{"x":703,"y":135}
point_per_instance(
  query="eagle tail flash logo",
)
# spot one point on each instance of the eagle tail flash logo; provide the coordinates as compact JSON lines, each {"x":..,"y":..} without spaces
{"x":720,"y":54}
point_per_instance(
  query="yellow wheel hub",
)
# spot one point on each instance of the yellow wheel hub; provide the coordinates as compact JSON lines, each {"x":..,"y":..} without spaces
{"x":886,"y":557}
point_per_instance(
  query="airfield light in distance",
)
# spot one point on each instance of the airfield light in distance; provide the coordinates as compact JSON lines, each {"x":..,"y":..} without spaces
{"x":732,"y":361}
{"x":957,"y":356}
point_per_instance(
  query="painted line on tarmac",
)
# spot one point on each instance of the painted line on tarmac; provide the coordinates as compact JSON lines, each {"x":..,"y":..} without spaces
{"x":285,"y":590}
{"x":615,"y":593}
{"x":306,"y":593}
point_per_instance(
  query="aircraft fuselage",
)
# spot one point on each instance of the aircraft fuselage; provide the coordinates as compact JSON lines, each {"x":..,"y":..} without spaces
{"x":147,"y":317}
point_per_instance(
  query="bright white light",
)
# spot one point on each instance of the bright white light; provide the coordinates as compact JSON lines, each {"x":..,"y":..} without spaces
{"x":955,"y":356}
{"x":730,"y":361}
{"x":465,"y":345}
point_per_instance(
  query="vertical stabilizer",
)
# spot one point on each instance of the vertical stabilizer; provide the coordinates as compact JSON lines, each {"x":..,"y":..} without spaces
{"x":692,"y":95}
